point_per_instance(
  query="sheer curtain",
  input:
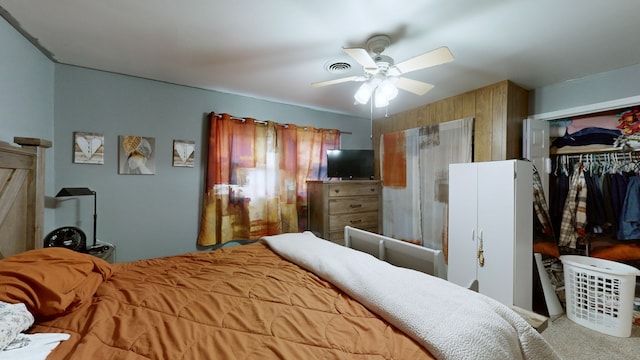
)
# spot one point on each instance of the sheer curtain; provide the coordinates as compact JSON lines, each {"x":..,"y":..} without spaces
{"x":414,"y":170}
{"x":256,"y":177}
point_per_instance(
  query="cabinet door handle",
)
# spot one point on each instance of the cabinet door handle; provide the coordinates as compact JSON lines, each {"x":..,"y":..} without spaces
{"x":358,"y":221}
{"x":480,"y":251}
{"x":355,"y":206}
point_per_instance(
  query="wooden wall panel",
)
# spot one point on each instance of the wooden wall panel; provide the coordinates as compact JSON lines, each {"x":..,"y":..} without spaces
{"x":499,"y":126}
{"x":457,"y":107}
{"x":468,"y":105}
{"x":483,"y":125}
{"x":517,"y":111}
{"x":498,"y":110}
{"x":431,"y":114}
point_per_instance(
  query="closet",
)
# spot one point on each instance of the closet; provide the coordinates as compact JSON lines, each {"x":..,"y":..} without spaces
{"x":490,"y":229}
{"x":608,"y":226}
{"x":599,"y":162}
{"x":601,"y":171}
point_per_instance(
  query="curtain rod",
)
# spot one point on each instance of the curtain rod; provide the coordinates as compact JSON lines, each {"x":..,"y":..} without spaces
{"x":286,"y":126}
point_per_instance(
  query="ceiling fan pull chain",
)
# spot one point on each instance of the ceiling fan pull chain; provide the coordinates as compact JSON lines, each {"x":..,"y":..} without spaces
{"x":371,"y":118}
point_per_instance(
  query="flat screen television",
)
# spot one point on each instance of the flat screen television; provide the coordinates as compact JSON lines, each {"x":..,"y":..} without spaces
{"x":350,"y":164}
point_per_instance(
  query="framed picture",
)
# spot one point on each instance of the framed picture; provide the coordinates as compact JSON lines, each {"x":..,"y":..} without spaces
{"x":88,"y":148}
{"x":136,"y":155}
{"x":184,"y":153}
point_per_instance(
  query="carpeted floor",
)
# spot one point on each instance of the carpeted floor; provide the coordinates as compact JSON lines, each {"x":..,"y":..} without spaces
{"x":573,"y":341}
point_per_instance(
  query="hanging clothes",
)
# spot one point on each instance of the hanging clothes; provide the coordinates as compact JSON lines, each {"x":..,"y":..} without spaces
{"x":618,"y":193}
{"x":596,"y":218}
{"x":557,"y":199}
{"x":609,"y":214}
{"x":544,"y":241}
{"x":574,"y":214}
{"x":540,"y":204}
{"x":629,"y":225}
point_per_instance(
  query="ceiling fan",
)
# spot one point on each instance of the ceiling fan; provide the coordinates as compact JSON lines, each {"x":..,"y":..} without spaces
{"x":382,"y":77}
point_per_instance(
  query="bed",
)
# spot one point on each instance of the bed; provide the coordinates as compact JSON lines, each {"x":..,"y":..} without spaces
{"x":288,"y":296}
{"x":22,"y":194}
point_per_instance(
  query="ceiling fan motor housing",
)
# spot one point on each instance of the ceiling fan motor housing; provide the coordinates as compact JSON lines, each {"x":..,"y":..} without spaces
{"x":377,"y":44}
{"x":384,"y":62}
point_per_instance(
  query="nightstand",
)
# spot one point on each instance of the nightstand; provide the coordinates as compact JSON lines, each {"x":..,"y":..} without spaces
{"x":104,"y":251}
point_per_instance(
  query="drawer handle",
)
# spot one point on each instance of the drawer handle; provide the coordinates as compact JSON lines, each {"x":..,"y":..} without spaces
{"x":337,"y":190}
{"x":355,"y":206}
{"x":372,"y":189}
{"x":356,"y":221}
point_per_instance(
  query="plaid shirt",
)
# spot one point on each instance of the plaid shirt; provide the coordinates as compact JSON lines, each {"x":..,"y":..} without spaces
{"x":574,"y":214}
{"x":540,"y":204}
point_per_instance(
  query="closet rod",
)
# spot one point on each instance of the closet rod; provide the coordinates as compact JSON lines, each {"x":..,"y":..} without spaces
{"x":601,"y":156}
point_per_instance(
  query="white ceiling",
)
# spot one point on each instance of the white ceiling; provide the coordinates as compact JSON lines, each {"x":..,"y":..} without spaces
{"x":275,"y":49}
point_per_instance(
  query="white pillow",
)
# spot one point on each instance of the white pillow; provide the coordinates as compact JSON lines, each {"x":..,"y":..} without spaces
{"x":14,"y":319}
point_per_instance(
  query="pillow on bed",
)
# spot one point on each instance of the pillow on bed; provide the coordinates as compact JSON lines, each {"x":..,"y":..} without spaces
{"x":51,"y":281}
{"x":14,"y":319}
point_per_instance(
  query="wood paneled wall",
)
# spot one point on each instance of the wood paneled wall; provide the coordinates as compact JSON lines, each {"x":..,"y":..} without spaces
{"x":498,"y":110}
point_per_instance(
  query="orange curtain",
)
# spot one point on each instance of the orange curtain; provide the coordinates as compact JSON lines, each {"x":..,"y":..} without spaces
{"x":256,"y":177}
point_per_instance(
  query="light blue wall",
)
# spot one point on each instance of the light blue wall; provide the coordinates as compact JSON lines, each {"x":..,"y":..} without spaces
{"x":157,"y":215}
{"x":26,"y":97}
{"x":593,"y":89}
{"x":152,"y":215}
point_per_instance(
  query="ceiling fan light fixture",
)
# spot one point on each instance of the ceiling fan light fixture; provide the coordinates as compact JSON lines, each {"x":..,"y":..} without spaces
{"x":388,"y":89}
{"x":385,"y":92}
{"x":381,"y":100}
{"x":363,"y":94}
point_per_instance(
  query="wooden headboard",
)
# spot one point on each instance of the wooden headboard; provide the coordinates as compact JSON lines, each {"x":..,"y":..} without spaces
{"x":22,"y":195}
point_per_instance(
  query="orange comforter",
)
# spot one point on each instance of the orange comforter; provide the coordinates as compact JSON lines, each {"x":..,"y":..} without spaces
{"x":238,"y":303}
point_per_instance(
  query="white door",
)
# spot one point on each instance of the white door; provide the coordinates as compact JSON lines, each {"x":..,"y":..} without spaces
{"x":496,"y":235}
{"x":463,"y":225}
{"x":536,"y":142}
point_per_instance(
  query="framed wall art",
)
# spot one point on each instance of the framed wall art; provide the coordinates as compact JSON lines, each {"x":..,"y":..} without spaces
{"x":136,"y":155}
{"x":88,"y":148}
{"x":184,"y":153}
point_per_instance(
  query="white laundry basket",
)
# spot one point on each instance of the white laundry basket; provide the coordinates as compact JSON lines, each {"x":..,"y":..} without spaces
{"x":599,"y":293}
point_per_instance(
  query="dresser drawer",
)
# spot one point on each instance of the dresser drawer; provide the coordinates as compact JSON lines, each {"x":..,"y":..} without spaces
{"x":353,"y":204}
{"x":358,"y":220}
{"x":354,"y":189}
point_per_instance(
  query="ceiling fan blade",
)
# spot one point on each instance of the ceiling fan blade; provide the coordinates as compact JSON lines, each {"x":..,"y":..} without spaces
{"x":338,"y":81}
{"x":414,"y":86}
{"x":435,"y":57}
{"x":362,"y":57}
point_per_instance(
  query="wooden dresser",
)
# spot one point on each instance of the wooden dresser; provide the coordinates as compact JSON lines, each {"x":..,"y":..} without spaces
{"x":334,"y":204}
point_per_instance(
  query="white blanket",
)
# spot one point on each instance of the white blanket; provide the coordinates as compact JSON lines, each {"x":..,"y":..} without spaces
{"x":448,"y":320}
{"x":38,"y":346}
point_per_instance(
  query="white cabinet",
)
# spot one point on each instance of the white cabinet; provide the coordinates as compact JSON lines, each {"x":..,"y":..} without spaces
{"x":491,"y":229}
